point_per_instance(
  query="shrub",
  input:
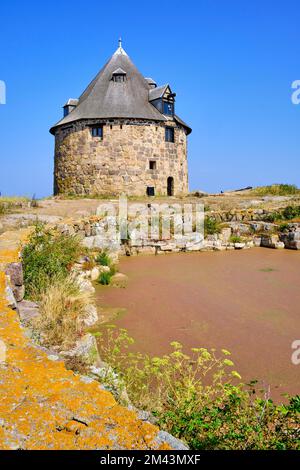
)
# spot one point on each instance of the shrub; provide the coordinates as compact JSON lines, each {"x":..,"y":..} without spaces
{"x":103,"y":259}
{"x":211,"y":226}
{"x":105,"y":278}
{"x":47,"y":256}
{"x":283,"y":227}
{"x":235,"y":239}
{"x":198,"y":397}
{"x":277,"y":190}
{"x":288,"y":213}
{"x":291,"y":212}
{"x":62,"y":308}
{"x":272,"y":217}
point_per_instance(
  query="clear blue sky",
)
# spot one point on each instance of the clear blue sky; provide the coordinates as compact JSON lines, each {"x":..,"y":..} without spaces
{"x":230,"y":62}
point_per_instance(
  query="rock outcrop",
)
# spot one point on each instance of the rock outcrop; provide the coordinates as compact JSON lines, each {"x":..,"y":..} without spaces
{"x":45,"y":406}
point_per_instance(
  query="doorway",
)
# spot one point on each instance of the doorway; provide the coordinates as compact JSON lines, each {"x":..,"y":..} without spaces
{"x":170,"y":186}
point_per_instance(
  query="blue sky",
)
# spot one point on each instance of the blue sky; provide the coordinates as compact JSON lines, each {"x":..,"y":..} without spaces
{"x":230,"y":62}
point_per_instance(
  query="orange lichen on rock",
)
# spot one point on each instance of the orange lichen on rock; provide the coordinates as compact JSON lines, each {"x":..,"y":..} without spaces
{"x":45,"y":406}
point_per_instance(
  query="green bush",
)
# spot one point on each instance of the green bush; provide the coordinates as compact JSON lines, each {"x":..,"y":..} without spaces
{"x":103,"y":259}
{"x":199,"y":397}
{"x":105,"y":278}
{"x":288,"y":213}
{"x":291,"y":212}
{"x":211,"y":226}
{"x":235,"y":239}
{"x":283,"y":227}
{"x":272,"y":217}
{"x":47,"y":256}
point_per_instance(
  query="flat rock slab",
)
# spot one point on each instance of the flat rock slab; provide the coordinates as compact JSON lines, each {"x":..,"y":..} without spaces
{"x":28,"y":311}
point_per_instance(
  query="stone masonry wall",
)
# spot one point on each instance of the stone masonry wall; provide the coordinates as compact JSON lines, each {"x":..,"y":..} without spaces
{"x":120,"y":161}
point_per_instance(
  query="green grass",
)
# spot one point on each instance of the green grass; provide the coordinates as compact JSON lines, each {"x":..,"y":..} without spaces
{"x":8,"y":204}
{"x":48,"y":255}
{"x":105,"y":278}
{"x":235,"y":239}
{"x":103,"y":259}
{"x":277,"y":190}
{"x":14,"y":199}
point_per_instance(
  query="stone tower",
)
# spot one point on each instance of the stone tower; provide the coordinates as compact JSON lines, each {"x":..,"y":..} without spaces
{"x":121,"y":136}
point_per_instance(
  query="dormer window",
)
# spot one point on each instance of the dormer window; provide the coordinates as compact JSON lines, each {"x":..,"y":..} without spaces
{"x":168,"y":108}
{"x":163,"y":99}
{"x":69,"y":106}
{"x":119,"y":75}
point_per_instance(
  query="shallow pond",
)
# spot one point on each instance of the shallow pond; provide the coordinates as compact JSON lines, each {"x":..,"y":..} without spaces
{"x":245,"y":301}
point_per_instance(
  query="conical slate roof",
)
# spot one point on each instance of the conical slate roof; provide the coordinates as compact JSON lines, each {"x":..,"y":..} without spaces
{"x":105,"y":98}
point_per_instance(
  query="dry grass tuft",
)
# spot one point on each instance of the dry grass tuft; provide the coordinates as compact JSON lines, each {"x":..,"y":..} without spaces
{"x":62,"y":309}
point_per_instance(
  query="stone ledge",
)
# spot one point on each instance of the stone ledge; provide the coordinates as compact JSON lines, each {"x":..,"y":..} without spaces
{"x":45,"y":406}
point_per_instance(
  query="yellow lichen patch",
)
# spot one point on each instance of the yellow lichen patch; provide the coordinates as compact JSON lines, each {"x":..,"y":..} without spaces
{"x":8,"y":256}
{"x":45,"y":406}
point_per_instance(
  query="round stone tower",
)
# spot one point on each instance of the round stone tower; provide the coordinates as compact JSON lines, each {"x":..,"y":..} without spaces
{"x":121,"y":136}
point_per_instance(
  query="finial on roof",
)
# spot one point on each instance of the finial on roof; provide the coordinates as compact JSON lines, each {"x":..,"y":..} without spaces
{"x":120,"y":49}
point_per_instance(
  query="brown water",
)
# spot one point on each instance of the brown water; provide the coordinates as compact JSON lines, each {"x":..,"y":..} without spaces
{"x":245,"y":301}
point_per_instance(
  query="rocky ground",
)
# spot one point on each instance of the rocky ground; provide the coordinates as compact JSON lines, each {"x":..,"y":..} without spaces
{"x":45,"y":406}
{"x":52,"y":210}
